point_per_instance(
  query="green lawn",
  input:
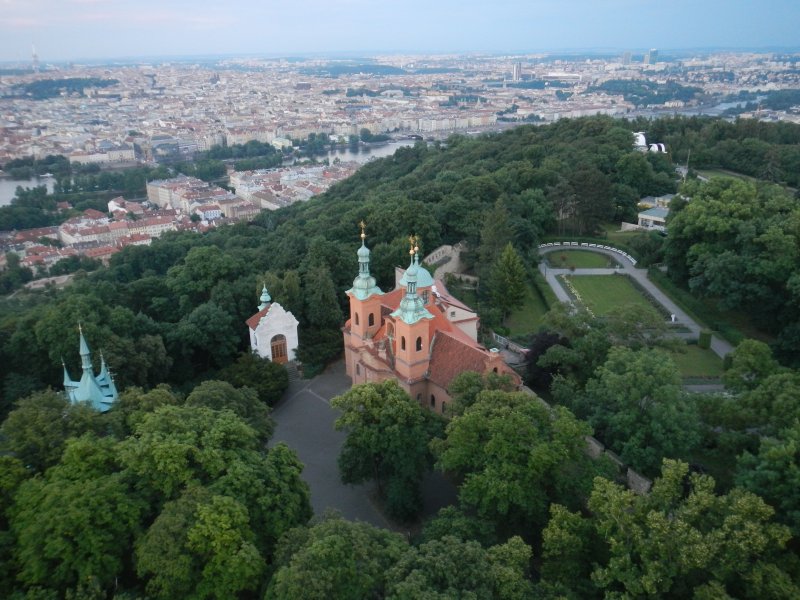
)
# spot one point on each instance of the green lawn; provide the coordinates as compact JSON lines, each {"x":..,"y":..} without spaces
{"x":696,"y":362}
{"x":601,"y":293}
{"x":527,"y":319}
{"x":615,"y":236}
{"x":580,"y":259}
{"x":724,"y":174}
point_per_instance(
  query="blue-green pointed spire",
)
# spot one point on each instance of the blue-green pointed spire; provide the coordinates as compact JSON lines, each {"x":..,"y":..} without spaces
{"x":86,"y":355}
{"x":364,"y":285}
{"x":265,"y":298}
{"x":67,"y":379}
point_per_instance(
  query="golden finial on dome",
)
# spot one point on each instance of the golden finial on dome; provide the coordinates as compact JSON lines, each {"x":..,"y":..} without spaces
{"x":363,"y":228}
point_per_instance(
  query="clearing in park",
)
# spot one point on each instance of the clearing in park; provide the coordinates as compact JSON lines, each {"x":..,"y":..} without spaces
{"x":601,"y":293}
{"x":580,"y":259}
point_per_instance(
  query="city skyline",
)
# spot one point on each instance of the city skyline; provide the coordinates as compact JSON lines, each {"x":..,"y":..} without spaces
{"x":106,"y":29}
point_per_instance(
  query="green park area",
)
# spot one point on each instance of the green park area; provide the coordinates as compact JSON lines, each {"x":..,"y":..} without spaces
{"x":601,"y":293}
{"x":579,"y":259}
{"x":526,"y":319}
{"x":698,"y":362}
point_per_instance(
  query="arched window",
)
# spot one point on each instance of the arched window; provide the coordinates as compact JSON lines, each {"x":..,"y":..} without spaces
{"x":419,"y":344}
{"x":358,"y":369}
{"x":356,"y":318}
{"x":402,"y":342}
{"x":444,"y":406}
{"x":425,"y":297}
{"x":433,"y":401}
{"x":495,"y":369}
{"x":390,"y":330}
{"x":371,"y":319}
{"x":419,"y":397}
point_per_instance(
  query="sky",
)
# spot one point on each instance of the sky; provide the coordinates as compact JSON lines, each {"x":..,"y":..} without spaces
{"x":104,"y":29}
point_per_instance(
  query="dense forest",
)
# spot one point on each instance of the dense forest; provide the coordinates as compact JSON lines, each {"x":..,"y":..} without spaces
{"x":171,"y":494}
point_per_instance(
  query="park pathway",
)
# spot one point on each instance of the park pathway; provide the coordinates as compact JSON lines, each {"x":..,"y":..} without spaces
{"x":718,"y":345}
{"x":304,"y":421}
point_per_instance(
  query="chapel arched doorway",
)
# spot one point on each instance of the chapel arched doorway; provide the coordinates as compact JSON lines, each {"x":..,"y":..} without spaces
{"x":279,"y":351}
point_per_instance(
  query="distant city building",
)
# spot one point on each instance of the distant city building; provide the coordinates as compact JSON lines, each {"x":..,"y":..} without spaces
{"x":626,"y":58}
{"x":516,"y":73}
{"x":651,"y":57}
{"x":98,"y":390}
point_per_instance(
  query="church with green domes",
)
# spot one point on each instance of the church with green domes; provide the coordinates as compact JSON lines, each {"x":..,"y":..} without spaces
{"x":417,"y":334}
{"x":98,"y":390}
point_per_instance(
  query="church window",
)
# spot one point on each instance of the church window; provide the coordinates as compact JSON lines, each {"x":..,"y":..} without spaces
{"x":419,"y":397}
{"x":425,"y":297}
{"x":402,"y":342}
{"x":358,"y":369}
{"x":495,"y":370}
{"x":433,"y":401}
{"x":356,"y":318}
{"x":452,"y":313}
{"x":419,"y":344}
{"x":371,"y":319}
{"x":444,"y":406}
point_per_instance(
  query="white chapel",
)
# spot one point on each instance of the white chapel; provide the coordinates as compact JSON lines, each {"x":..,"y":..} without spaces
{"x":273,"y":331}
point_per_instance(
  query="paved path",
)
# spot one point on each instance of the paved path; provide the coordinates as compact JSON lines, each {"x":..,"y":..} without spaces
{"x":304,"y":420}
{"x":718,"y":345}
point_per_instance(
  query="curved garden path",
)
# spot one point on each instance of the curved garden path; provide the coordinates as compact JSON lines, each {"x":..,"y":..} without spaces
{"x":627,"y":266}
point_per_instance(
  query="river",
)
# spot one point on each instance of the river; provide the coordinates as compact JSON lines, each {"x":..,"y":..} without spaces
{"x":362,"y":154}
{"x":8,"y":187}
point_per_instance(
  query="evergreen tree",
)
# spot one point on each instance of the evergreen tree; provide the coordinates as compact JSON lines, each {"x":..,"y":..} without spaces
{"x":507,"y":281}
{"x":496,"y":233}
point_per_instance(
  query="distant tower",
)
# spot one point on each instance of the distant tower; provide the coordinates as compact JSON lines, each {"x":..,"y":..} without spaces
{"x":626,"y":58}
{"x":34,"y":59}
{"x":651,"y":57}
{"x":516,"y":73}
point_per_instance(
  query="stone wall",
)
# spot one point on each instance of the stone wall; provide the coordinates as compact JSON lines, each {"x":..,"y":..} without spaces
{"x":595,"y":448}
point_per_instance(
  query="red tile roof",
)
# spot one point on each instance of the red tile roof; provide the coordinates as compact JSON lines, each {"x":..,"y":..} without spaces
{"x":451,"y":356}
{"x":253,"y":321}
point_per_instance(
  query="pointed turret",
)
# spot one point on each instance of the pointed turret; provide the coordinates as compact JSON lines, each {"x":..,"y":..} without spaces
{"x":86,"y":355}
{"x":68,"y":383}
{"x":265,"y":298}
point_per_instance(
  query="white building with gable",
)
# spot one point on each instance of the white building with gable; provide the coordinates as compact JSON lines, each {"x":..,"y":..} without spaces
{"x":273,"y":331}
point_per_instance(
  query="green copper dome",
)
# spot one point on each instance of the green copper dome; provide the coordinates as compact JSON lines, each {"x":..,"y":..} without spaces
{"x":424,"y":278}
{"x":412,"y":308}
